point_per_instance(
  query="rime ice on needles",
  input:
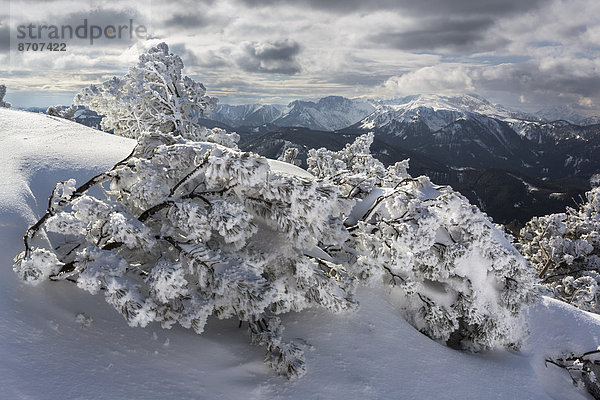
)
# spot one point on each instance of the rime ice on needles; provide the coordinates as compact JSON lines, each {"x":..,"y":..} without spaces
{"x":583,"y":369}
{"x":565,"y":249}
{"x":461,"y":280}
{"x":177,"y":234}
{"x":154,"y":97}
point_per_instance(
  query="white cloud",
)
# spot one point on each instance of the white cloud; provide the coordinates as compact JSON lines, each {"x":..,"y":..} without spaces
{"x":434,"y":79}
{"x":585,"y":102}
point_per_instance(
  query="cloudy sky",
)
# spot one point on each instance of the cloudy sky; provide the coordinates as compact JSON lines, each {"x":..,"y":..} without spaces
{"x":526,"y":54}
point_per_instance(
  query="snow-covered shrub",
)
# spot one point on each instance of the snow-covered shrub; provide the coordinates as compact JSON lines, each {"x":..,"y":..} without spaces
{"x":595,"y":180}
{"x":3,"y":103}
{"x":565,"y":249}
{"x":153,"y":97}
{"x":289,"y":156}
{"x":584,"y":370}
{"x":58,"y":111}
{"x":182,"y":230}
{"x":460,"y":279}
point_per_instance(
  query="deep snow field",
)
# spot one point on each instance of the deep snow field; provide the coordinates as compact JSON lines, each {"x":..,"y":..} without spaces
{"x":47,"y":353}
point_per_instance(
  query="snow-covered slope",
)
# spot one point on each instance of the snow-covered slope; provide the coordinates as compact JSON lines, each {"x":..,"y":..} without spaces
{"x":46,"y":353}
{"x":39,"y":150}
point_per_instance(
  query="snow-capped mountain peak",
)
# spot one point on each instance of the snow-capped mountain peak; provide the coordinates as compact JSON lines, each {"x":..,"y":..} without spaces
{"x":469,"y":130}
{"x":437,"y":111}
{"x":328,"y":114}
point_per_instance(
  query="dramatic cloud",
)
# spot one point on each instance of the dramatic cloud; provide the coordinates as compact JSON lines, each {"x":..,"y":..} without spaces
{"x":529,"y":80}
{"x":273,"y":57}
{"x":526,"y":53}
{"x":214,"y":59}
{"x":421,"y":8}
{"x":186,"y":21}
{"x":187,"y":56}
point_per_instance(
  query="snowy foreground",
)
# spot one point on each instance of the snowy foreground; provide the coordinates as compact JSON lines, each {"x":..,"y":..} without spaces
{"x":47,"y":352}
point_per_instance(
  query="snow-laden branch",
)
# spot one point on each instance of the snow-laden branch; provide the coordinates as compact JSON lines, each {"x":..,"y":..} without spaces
{"x":177,"y":234}
{"x":460,"y":279}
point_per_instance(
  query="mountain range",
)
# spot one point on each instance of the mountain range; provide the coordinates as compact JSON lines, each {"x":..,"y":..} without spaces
{"x":469,"y":131}
{"x":567,"y":113}
{"x":513,"y":165}
{"x":327,"y":114}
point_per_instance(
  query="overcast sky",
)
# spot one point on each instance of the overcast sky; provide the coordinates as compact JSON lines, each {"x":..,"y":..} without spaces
{"x":522,"y":53}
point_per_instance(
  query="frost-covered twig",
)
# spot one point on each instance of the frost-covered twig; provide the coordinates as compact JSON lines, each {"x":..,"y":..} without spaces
{"x":582,"y":371}
{"x":66,"y":199}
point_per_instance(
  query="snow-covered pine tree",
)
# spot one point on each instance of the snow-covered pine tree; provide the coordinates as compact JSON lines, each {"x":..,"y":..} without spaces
{"x":460,"y":279}
{"x":565,"y":249}
{"x":154,"y":97}
{"x":182,"y":230}
{"x":58,"y":111}
{"x":3,"y":103}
